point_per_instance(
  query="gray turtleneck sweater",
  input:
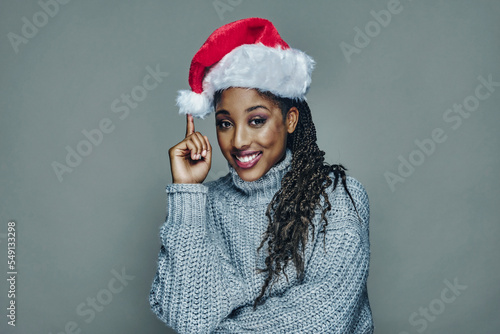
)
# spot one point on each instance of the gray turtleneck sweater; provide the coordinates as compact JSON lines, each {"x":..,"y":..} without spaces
{"x":206,"y":280}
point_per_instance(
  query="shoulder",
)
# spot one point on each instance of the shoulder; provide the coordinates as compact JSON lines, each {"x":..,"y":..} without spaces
{"x":353,"y":210}
{"x":359,"y":195}
{"x":354,"y":187}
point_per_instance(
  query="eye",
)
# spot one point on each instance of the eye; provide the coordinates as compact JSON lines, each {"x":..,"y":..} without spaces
{"x":258,"y":121}
{"x":223,"y":124}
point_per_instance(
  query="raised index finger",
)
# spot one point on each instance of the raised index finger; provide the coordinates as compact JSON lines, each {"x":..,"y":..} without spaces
{"x":189,"y":124}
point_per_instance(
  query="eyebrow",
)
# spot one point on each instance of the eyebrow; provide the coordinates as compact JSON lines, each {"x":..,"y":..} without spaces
{"x":225,"y":112}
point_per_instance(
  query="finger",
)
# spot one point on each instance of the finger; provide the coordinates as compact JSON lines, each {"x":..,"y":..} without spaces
{"x":203,"y":144}
{"x":208,"y":152}
{"x":192,"y":149}
{"x":197,"y":146}
{"x":209,"y":147}
{"x":189,"y":124}
{"x":182,"y":149}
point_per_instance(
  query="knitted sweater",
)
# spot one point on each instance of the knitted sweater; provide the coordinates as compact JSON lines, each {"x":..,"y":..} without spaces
{"x":206,"y":280}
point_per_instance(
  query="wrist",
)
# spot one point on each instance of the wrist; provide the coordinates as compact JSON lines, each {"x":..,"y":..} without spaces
{"x":186,"y":187}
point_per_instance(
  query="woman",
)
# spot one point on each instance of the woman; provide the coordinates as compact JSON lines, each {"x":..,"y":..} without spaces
{"x":243,"y":254}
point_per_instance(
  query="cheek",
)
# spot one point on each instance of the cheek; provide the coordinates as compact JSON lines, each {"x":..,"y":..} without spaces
{"x":272,"y":135}
{"x":223,"y":142}
{"x":220,"y":137}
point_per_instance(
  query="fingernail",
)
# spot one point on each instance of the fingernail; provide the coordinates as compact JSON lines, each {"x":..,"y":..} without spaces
{"x":204,"y":153}
{"x":198,"y":156}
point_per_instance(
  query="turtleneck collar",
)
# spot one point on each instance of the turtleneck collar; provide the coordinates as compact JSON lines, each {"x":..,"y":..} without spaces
{"x":265,"y":187}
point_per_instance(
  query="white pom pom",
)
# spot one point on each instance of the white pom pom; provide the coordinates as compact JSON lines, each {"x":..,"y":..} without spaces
{"x":198,"y":105}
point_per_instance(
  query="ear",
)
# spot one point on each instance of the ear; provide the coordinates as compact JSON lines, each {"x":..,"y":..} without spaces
{"x":292,"y":118}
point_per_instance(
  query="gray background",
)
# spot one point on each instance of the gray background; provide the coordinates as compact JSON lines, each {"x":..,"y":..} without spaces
{"x":440,"y":224}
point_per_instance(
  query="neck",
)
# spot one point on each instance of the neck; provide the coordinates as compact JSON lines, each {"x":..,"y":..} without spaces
{"x":265,"y":187}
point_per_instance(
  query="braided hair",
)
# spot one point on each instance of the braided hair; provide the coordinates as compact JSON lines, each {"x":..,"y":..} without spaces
{"x":292,"y":208}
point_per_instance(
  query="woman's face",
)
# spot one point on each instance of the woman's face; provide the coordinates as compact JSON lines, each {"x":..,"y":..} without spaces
{"x":251,"y":132}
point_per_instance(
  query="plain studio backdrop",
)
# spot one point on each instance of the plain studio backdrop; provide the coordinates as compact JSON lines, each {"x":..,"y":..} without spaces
{"x":405,"y":94}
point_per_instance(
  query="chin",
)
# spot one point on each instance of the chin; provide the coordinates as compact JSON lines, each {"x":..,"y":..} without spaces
{"x":249,"y":176}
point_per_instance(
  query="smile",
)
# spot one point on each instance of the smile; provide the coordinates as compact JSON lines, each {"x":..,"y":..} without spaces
{"x":248,"y":161}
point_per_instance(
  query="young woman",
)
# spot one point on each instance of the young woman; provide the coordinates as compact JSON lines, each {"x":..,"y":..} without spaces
{"x":244,"y":254}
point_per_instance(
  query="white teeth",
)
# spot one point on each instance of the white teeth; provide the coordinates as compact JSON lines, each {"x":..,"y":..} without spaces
{"x":247,"y":158}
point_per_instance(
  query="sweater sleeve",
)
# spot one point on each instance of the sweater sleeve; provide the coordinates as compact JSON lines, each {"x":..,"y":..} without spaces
{"x":333,"y":296}
{"x":195,"y":286}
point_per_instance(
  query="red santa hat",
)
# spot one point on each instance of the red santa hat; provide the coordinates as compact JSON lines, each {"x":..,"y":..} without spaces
{"x":246,"y":53}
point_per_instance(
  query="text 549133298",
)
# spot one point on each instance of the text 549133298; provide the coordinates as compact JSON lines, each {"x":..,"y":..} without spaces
{"x":11,"y":273}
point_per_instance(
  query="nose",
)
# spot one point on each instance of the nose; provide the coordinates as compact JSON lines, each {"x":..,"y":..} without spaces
{"x":241,"y":138}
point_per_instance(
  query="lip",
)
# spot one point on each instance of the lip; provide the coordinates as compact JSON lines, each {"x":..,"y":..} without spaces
{"x":245,"y":153}
{"x":250,"y":163}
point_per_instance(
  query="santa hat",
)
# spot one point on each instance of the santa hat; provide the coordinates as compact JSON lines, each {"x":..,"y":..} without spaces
{"x":247,"y":53}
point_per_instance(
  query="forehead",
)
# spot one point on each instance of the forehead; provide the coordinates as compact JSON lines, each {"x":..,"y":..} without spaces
{"x":238,"y":94}
{"x":238,"y":97}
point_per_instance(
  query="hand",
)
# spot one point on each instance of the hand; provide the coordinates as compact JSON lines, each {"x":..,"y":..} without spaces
{"x":190,"y":160}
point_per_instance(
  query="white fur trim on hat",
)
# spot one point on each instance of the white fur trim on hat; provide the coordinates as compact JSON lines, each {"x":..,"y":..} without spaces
{"x":283,"y":72}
